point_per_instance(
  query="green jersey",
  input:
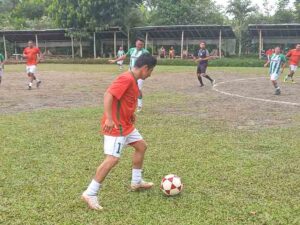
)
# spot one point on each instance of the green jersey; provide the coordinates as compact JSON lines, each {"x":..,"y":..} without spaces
{"x":134,"y":54}
{"x":1,"y":58}
{"x":120,"y":53}
{"x":276,"y":62}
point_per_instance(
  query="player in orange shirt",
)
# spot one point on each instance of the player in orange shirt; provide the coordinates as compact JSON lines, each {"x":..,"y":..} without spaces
{"x":32,"y":55}
{"x":120,"y":102}
{"x":294,"y":58}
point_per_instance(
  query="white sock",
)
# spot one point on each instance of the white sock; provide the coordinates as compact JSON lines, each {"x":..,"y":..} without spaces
{"x":93,"y":188}
{"x":140,"y":102}
{"x":37,"y":80}
{"x":30,"y":84}
{"x":136,"y":176}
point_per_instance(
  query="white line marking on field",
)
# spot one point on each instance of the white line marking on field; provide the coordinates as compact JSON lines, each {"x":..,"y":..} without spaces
{"x":251,"y":98}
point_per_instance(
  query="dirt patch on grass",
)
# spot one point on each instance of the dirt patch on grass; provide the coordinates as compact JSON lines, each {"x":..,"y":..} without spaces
{"x":76,"y":89}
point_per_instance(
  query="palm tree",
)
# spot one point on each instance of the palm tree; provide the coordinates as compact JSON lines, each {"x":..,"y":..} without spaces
{"x":240,"y":10}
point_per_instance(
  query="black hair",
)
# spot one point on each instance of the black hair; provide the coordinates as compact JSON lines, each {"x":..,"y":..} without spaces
{"x":139,"y":39}
{"x":145,"y":59}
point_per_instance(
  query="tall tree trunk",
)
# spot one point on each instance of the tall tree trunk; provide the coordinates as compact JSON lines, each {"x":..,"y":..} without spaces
{"x":240,"y":46}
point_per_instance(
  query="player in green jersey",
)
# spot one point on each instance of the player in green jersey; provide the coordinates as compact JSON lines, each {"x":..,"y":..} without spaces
{"x":134,"y":53}
{"x":277,"y":63}
{"x":2,"y":59}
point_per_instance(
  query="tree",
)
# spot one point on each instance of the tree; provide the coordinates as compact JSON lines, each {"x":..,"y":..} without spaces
{"x":297,"y":10}
{"x":86,"y":14}
{"x":240,"y":10}
{"x":283,"y":14}
{"x":184,"y":12}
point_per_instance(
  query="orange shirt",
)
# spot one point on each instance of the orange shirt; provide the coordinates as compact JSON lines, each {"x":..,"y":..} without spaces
{"x":294,"y":56}
{"x":31,"y":54}
{"x":125,"y":92}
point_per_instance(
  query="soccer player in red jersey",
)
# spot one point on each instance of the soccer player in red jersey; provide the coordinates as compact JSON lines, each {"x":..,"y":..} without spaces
{"x":32,"y":55}
{"x":294,"y":58}
{"x":118,"y":128}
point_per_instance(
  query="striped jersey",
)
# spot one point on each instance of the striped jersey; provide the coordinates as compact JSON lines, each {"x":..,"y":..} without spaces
{"x":134,"y":54}
{"x":276,"y":62}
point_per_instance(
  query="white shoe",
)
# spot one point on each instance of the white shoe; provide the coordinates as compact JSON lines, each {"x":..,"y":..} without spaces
{"x":141,"y":186}
{"x":92,"y":201}
{"x":139,"y":109}
{"x":213,"y":82}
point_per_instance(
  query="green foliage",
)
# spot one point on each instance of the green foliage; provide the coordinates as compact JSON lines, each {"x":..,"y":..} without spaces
{"x":224,"y":62}
{"x":183,"y":12}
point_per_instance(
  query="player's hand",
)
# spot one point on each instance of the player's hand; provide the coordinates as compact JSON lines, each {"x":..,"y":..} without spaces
{"x":108,"y":125}
{"x":111,"y":61}
{"x":133,"y":118}
{"x":266,"y":65}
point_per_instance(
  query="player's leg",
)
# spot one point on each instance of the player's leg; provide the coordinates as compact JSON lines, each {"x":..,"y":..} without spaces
{"x":199,"y":76}
{"x":112,"y":148}
{"x":294,"y":68}
{"x":274,"y":78}
{"x":291,"y":73}
{"x":30,"y":78}
{"x":140,"y":98}
{"x":1,"y":74}
{"x":136,"y":141}
{"x":38,"y":82}
{"x":203,"y":73}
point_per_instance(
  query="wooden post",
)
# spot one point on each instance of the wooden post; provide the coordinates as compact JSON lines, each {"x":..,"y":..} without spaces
{"x":182,"y":38}
{"x":101,"y":48}
{"x":220,"y":44}
{"x":4,"y":45}
{"x":115,"y":44}
{"x":36,"y":40}
{"x":128,"y":40}
{"x":187,"y":47}
{"x":80,"y":47}
{"x":146,"y":40}
{"x":95,"y":53}
{"x":260,"y":46}
{"x":72,"y":44}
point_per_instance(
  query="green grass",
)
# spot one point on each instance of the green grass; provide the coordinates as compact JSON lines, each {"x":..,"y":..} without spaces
{"x":112,"y":68}
{"x":48,"y":157}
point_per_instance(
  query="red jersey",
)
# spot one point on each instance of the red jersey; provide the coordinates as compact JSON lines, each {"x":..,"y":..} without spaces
{"x":31,"y":55}
{"x":294,"y":56}
{"x":125,"y":92}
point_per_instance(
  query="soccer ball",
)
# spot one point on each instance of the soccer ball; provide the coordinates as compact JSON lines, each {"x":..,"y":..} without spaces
{"x":171,"y":185}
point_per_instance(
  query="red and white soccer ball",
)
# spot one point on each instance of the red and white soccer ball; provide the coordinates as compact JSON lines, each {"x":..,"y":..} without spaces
{"x":171,"y":185}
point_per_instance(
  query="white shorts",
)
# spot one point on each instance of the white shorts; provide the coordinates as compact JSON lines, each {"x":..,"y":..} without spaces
{"x":31,"y":69}
{"x":114,"y":145}
{"x":120,"y":62}
{"x":274,"y":76}
{"x":140,"y":83}
{"x":293,"y":68}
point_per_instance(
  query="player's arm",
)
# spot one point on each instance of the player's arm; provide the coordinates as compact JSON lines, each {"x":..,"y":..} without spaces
{"x":109,"y":123}
{"x":121,"y":58}
{"x":24,"y":54}
{"x":267,"y":63}
{"x":211,"y":57}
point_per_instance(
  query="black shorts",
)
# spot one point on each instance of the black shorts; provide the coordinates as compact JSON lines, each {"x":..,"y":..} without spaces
{"x":201,"y":68}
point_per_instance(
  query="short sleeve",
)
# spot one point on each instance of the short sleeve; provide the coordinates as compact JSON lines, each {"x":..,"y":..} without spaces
{"x":145,"y":51}
{"x":24,"y":51}
{"x":130,"y":51}
{"x":283,"y":58}
{"x":38,"y":51}
{"x":289,"y":54}
{"x":207,"y":53}
{"x":119,"y":86}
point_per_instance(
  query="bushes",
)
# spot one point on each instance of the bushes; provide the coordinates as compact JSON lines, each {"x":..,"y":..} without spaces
{"x":224,"y":62}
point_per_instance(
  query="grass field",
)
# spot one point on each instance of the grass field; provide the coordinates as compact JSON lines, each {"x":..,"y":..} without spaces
{"x":239,"y":160}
